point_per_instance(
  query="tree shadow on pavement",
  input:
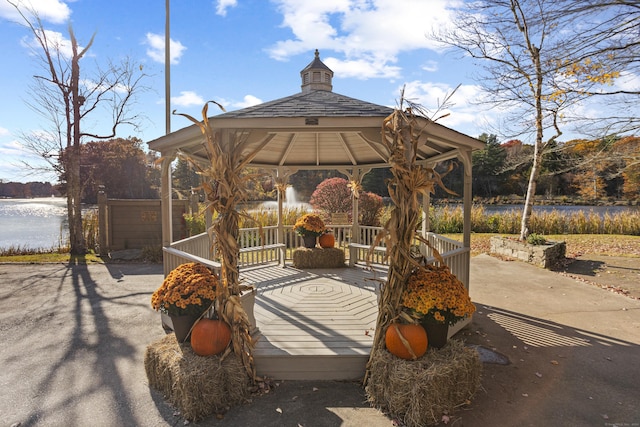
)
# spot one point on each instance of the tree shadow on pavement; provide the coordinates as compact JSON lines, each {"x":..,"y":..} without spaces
{"x":558,"y":375}
{"x":75,"y":353}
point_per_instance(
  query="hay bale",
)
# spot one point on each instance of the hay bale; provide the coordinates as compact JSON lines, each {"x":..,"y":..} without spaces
{"x":198,"y":386}
{"x":420,"y":392}
{"x":318,"y":258}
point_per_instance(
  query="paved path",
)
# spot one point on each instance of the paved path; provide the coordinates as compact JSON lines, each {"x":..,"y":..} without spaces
{"x":73,"y":341}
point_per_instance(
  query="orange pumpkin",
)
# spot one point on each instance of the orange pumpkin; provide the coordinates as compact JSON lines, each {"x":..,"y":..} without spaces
{"x":327,"y":240}
{"x":415,"y":337}
{"x":210,"y":337}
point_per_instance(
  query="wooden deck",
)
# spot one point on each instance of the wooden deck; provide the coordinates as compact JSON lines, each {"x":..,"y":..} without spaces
{"x":313,"y":324}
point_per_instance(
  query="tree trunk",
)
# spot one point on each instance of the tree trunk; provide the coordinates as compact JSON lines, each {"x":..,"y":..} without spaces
{"x":531,"y":193}
{"x":74,"y":190}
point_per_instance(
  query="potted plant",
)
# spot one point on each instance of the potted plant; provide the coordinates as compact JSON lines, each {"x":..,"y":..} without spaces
{"x":186,"y":293}
{"x":309,"y":226}
{"x":436,"y":298}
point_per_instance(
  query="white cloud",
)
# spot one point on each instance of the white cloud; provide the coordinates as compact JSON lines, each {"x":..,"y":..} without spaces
{"x":628,"y":81}
{"x":155,"y":50}
{"x":54,"y":11}
{"x":223,"y":5}
{"x":363,"y":68}
{"x":370,"y":33}
{"x":248,"y":101}
{"x":4,"y":131}
{"x":187,"y":99}
{"x":54,"y":40}
{"x":463,"y":114}
{"x":430,"y":66}
{"x":12,"y":148}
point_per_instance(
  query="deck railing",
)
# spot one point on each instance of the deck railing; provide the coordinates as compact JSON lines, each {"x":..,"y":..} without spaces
{"x":259,"y":248}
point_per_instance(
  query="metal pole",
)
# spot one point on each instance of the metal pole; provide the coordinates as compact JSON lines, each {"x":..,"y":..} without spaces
{"x":166,"y":198}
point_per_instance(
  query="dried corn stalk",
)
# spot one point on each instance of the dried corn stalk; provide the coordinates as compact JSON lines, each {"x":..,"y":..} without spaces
{"x":225,"y":187}
{"x":401,"y":132}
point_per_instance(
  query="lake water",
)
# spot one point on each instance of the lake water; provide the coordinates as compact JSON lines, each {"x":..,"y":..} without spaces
{"x":39,"y":223}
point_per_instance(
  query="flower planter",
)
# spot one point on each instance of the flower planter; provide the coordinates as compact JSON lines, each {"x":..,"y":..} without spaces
{"x":181,"y":326}
{"x":309,"y":241}
{"x":437,"y":334}
{"x":545,"y":256}
{"x":248,"y":301}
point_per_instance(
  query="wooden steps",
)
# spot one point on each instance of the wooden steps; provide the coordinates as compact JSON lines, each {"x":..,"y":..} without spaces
{"x":313,"y":324}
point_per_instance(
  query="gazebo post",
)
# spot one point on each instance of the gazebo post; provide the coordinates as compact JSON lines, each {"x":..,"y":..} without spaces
{"x":355,"y":228}
{"x":165,"y":198}
{"x":281,"y":190}
{"x":426,"y":203}
{"x":465,"y":158}
{"x":281,"y":177}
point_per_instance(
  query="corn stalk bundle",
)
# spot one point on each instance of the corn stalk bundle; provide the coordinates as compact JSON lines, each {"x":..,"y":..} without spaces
{"x":225,"y":187}
{"x":402,"y":132}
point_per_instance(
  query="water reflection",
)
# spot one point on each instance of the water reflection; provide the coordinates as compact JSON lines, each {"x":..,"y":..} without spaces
{"x":39,"y":223}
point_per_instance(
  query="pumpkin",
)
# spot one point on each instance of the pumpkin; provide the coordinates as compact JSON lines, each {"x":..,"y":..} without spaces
{"x":415,"y":337}
{"x":210,"y":337}
{"x":327,"y":240}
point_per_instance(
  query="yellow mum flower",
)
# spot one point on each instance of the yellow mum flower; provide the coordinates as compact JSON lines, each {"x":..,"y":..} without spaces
{"x":435,"y":293}
{"x":188,"y":289}
{"x":309,"y":225}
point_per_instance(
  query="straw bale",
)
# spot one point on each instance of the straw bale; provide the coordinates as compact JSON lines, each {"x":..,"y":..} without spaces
{"x":420,"y":392}
{"x":197,"y":386}
{"x":318,"y":258}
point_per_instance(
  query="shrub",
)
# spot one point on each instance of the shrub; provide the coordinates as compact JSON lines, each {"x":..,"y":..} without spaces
{"x":536,"y":239}
{"x":370,"y":208}
{"x":331,"y":196}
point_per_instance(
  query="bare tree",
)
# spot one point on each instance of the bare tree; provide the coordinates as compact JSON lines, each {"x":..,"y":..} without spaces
{"x":68,"y":98}
{"x":540,"y":59}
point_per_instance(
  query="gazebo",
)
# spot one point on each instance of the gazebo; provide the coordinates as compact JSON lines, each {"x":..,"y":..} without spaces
{"x":315,"y":129}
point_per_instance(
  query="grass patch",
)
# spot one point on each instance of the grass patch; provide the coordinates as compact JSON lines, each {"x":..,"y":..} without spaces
{"x":52,"y":257}
{"x":577,"y":244}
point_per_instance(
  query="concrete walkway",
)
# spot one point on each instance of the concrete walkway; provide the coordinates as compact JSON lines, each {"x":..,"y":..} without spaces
{"x":73,"y":342}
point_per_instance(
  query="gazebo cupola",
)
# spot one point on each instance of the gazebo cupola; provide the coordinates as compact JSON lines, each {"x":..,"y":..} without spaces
{"x":316,"y":76}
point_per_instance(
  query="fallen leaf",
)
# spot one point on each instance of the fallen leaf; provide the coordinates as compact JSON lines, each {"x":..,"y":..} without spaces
{"x":315,"y":389}
{"x":445,"y":419}
{"x":294,"y":397}
{"x":278,"y":410}
{"x":554,"y":362}
{"x":525,"y":395}
{"x":538,"y":374}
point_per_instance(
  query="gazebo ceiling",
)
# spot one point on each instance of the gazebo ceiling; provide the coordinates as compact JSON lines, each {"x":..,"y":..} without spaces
{"x":314,"y":129}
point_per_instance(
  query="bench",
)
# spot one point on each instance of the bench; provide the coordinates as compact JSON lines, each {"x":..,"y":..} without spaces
{"x":213,"y":265}
{"x":262,"y":248}
{"x":354,"y":248}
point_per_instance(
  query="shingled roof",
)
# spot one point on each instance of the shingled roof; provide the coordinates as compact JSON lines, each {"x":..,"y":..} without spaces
{"x":315,"y":129}
{"x":317,"y":103}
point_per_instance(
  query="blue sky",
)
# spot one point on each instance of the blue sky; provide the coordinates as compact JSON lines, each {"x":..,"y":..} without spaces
{"x":241,"y":53}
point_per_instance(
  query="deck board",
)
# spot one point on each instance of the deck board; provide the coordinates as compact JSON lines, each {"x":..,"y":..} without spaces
{"x":313,"y":324}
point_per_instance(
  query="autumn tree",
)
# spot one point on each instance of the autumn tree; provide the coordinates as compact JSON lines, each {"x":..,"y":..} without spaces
{"x":333,"y":195}
{"x":120,"y":166}
{"x":185,"y":177}
{"x":488,"y":165}
{"x":525,"y":56}
{"x":68,"y":98}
